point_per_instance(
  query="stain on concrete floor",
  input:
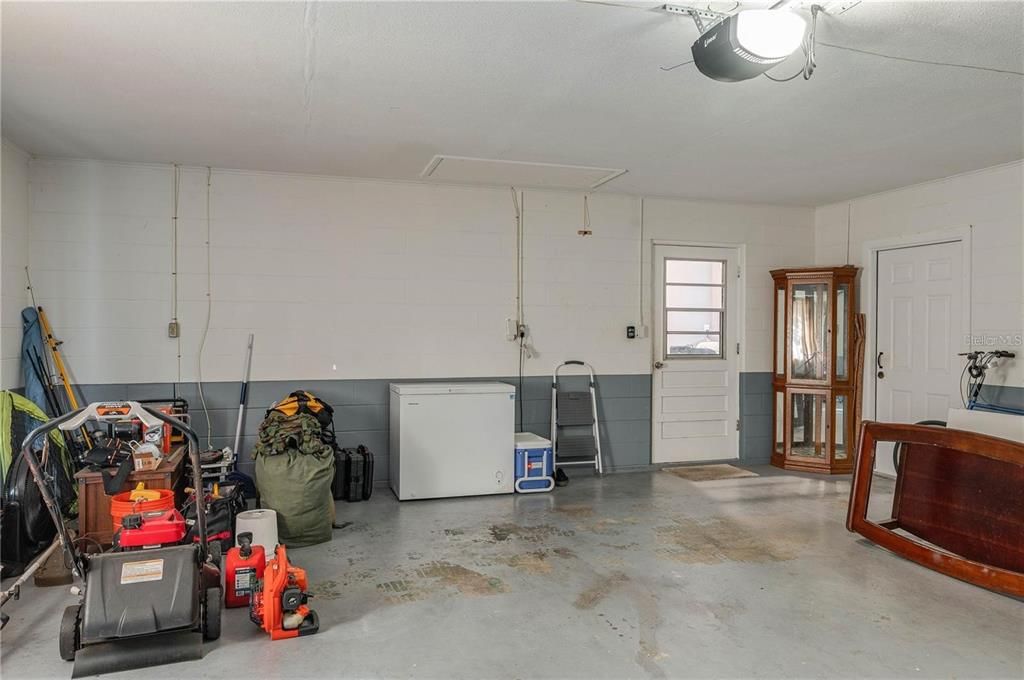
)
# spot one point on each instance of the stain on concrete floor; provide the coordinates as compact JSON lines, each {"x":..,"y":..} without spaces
{"x":576,"y":511}
{"x":325,"y":590}
{"x":672,"y":617}
{"x":401,"y":591}
{"x":535,"y":561}
{"x":600,"y":589}
{"x":714,"y":540}
{"x":620,"y":546}
{"x":467,"y":581}
{"x":532,"y":534}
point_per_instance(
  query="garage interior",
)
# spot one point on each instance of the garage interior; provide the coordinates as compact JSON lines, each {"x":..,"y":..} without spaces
{"x":551,"y":339}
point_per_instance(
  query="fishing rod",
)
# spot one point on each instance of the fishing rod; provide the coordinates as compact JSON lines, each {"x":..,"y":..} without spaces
{"x":58,"y":361}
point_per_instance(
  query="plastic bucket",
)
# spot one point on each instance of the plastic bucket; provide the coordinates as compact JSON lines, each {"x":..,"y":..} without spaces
{"x":121,"y":504}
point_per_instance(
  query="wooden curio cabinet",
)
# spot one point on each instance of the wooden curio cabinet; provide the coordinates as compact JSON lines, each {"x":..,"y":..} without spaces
{"x":812,"y":379}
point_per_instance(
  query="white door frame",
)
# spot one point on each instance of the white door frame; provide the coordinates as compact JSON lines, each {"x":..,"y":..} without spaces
{"x":869,"y":293}
{"x":647,"y":290}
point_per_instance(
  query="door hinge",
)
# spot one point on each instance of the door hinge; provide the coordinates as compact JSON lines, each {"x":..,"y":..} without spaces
{"x":737,"y":424}
{"x":737,"y":348}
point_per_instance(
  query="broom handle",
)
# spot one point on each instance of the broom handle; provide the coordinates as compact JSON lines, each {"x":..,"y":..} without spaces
{"x":243,"y":397}
{"x":58,"y":363}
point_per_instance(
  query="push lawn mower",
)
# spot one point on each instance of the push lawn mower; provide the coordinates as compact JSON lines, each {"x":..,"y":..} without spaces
{"x":141,"y":607}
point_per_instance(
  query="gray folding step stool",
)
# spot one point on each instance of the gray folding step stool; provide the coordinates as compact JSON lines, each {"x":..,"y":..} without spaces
{"x":575,"y":435}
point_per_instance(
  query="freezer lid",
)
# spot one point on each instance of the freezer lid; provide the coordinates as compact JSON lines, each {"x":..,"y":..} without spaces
{"x":453,"y":388}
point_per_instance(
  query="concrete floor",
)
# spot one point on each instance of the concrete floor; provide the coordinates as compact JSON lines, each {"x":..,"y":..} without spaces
{"x":633,"y":575}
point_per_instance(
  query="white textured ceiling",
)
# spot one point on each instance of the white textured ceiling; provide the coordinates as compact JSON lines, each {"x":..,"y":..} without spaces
{"x":377,"y":89}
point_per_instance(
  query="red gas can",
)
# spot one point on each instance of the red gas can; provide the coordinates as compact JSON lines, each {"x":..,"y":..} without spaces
{"x":243,"y":567}
{"x":150,"y":529}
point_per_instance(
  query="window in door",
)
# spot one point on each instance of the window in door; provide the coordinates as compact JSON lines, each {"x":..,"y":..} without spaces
{"x":694,"y":308}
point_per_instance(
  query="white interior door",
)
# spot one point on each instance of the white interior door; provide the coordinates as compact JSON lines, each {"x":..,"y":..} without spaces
{"x":696,"y":365}
{"x":919,"y":332}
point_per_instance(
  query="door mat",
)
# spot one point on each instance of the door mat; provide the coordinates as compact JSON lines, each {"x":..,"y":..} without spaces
{"x":708,"y":473}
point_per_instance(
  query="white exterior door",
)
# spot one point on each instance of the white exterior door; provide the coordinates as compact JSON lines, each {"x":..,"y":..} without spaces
{"x":919,"y":332}
{"x":696,"y":364}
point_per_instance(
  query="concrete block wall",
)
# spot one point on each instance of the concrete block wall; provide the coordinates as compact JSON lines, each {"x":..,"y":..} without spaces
{"x":991,"y":201}
{"x":14,"y":247}
{"x":361,"y":411}
{"x":348,"y":283}
{"x":310,"y":263}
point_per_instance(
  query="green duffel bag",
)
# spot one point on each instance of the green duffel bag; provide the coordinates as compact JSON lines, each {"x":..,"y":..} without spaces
{"x":297,"y":487}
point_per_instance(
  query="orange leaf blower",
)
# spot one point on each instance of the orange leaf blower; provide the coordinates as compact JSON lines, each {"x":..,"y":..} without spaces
{"x":278,"y":603}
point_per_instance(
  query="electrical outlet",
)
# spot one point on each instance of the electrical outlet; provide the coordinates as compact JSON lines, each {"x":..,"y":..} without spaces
{"x":173,"y":328}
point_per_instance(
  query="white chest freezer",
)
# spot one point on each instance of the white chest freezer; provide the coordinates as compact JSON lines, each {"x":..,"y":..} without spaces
{"x":451,"y":439}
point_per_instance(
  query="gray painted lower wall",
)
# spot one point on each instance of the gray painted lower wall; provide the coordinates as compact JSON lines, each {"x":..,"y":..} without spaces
{"x":361,"y":412}
{"x":756,"y":417}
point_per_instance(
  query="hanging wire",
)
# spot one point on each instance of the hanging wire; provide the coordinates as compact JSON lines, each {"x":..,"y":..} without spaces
{"x":807,"y":45}
{"x":209,"y":312}
{"x":672,"y":68}
{"x":518,"y":201}
{"x":922,"y":61}
{"x":174,"y":266}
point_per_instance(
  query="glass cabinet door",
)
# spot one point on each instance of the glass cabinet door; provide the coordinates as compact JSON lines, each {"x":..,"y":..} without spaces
{"x":840,"y":419}
{"x":809,"y":331}
{"x":780,"y":421}
{"x":808,"y":417}
{"x":842,"y":309}
{"x":780,"y":332}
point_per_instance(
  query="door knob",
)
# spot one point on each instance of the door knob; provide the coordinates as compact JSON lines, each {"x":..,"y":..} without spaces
{"x":658,"y":364}
{"x":881,"y":374}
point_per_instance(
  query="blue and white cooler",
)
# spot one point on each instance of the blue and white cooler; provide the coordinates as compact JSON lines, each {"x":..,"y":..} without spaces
{"x":535,"y":464}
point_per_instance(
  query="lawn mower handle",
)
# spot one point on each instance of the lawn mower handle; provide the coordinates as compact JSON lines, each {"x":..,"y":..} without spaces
{"x":118,"y":411}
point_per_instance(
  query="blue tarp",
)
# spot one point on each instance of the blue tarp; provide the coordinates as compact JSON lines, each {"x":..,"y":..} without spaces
{"x":32,"y":347}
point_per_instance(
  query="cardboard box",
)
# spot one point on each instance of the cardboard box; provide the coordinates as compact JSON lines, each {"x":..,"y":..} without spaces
{"x":146,"y":459}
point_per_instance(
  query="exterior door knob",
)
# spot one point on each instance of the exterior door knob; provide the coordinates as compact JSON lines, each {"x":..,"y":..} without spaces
{"x":658,"y":364}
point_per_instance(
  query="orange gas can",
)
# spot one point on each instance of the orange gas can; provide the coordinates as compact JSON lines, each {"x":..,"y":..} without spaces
{"x":243,"y":568}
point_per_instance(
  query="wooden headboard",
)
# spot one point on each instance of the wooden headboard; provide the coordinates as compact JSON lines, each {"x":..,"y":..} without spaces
{"x":960,"y":496}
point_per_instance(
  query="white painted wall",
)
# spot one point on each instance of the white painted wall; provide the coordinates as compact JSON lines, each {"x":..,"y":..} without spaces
{"x":14,"y":222}
{"x":344,"y":278}
{"x":991,"y":200}
{"x":770,"y":237}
